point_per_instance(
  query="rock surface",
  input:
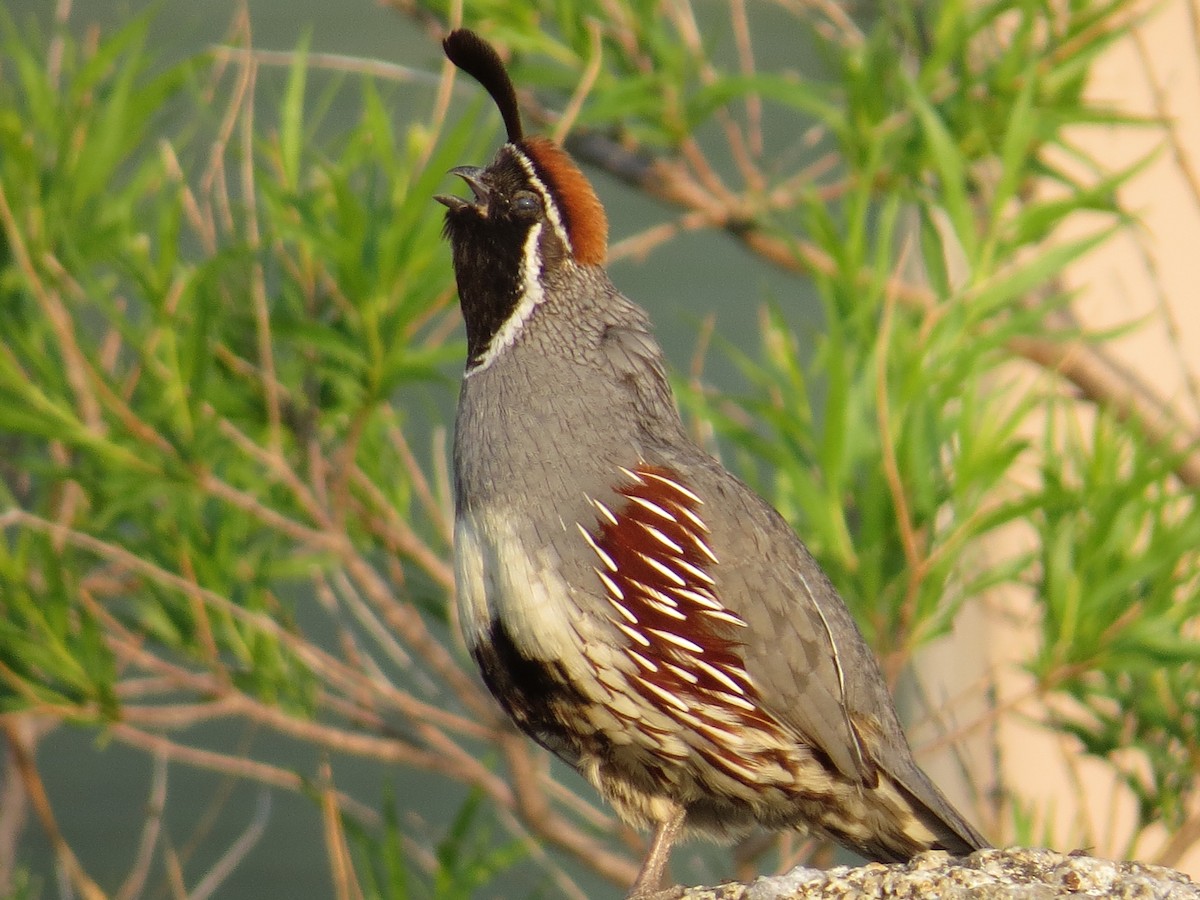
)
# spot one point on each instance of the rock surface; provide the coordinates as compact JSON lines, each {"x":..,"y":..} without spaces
{"x":1014,"y":874}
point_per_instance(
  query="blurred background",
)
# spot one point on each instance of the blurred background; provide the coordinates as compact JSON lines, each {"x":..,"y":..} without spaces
{"x":99,"y":788}
{"x":705,"y":287}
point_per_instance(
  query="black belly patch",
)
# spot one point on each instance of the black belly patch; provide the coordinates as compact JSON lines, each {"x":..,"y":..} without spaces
{"x":538,"y":695}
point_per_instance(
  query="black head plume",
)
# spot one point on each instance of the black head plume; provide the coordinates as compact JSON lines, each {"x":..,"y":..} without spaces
{"x":479,"y":59}
{"x":535,"y":162}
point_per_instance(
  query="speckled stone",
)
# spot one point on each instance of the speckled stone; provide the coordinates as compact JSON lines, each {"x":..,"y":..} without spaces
{"x":1014,"y":874}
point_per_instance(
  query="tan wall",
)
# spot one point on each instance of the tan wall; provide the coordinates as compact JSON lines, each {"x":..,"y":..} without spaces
{"x":1155,"y":274}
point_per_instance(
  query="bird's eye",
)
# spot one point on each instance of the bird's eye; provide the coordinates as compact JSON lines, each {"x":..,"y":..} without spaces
{"x":526,"y":204}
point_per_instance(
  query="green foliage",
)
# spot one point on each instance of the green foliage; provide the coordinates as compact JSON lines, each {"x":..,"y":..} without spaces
{"x":23,"y":886}
{"x":151,"y":379}
{"x":909,"y":379}
{"x":1120,"y":580}
{"x":469,"y":857}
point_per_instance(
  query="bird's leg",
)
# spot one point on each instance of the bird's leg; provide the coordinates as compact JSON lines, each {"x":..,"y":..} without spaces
{"x":646,"y":887}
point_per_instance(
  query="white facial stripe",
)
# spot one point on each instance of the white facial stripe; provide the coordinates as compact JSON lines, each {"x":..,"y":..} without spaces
{"x":533,"y":294}
{"x":548,"y":201}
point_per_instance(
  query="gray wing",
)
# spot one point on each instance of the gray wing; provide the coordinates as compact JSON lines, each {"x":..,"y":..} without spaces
{"x":808,"y":658}
{"x":814,"y":670}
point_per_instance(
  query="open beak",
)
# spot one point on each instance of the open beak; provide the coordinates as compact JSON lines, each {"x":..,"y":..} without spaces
{"x":473,"y":176}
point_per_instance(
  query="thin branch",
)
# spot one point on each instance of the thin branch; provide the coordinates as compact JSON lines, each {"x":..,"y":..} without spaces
{"x":345,"y":881}
{"x":537,"y":814}
{"x":1162,"y":111}
{"x":586,"y":82}
{"x":156,"y":803}
{"x":745,"y":48}
{"x":913,"y":552}
{"x":1183,"y":162}
{"x":74,"y":361}
{"x":1092,"y":371}
{"x":1108,"y":384}
{"x":433,"y":507}
{"x":844,"y":27}
{"x":399,"y":536}
{"x":35,"y":789}
{"x":331,"y":62}
{"x":57,"y":48}
{"x":565,"y":884}
{"x":407,"y":622}
{"x":1182,"y":841}
{"x":237,"y":851}
{"x":225,"y":764}
{"x":213,"y":183}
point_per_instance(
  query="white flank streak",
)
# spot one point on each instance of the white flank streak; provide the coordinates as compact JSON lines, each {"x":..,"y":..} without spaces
{"x":666,"y":610}
{"x":732,"y":765}
{"x":604,"y":511}
{"x":676,"y":639}
{"x":634,"y":633}
{"x":722,"y":735}
{"x":701,"y":598}
{"x":548,"y":202}
{"x":699,"y":573}
{"x":687,"y":717}
{"x":613,"y":587}
{"x":623,"y":611}
{"x":657,"y":595}
{"x":695,"y":519}
{"x":531,"y":270}
{"x":682,"y":673}
{"x":642,"y":661}
{"x":667,"y":572}
{"x":703,"y":547}
{"x":735,"y":700}
{"x":676,"y":486}
{"x":661,"y":538}
{"x":653,"y":507}
{"x":720,"y":676}
{"x":604,"y":557}
{"x":725,"y":616}
{"x":631,"y":475}
{"x":665,"y":694}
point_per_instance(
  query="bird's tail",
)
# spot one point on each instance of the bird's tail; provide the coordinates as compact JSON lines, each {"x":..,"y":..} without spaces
{"x":923,"y":819}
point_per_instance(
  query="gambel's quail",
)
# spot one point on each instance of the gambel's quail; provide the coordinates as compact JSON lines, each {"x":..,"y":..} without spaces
{"x":632,"y":605}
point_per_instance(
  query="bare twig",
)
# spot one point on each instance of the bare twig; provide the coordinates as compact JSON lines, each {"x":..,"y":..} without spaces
{"x":237,"y":851}
{"x":14,"y":801}
{"x":1095,"y":373}
{"x":75,"y":362}
{"x":745,"y":48}
{"x":131,"y":887}
{"x":226,"y":764}
{"x":345,"y":882}
{"x":586,"y":82}
{"x":535,"y":811}
{"x":54,"y":54}
{"x":566,"y":885}
{"x":35,"y":790}
{"x":332,"y":62}
{"x":843,"y":27}
{"x":1180,"y":842}
{"x":1183,"y":162}
{"x":913,"y":551}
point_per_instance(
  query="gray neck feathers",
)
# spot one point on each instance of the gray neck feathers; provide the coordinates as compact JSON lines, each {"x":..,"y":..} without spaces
{"x":582,"y":384}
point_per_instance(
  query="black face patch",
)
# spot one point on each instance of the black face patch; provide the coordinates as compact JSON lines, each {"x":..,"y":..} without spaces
{"x":489,"y":238}
{"x":489,"y":254}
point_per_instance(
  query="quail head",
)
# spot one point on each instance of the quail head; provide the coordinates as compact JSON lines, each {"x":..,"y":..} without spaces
{"x":632,"y":605}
